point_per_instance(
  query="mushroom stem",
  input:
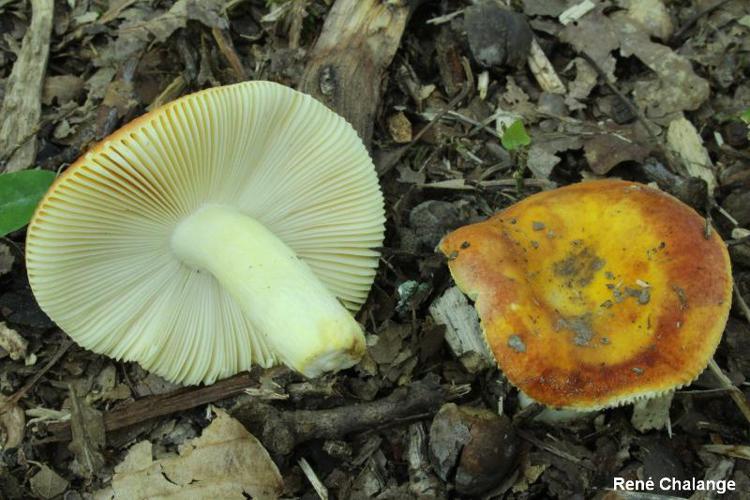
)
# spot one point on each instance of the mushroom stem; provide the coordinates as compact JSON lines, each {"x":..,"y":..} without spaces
{"x":309,"y":330}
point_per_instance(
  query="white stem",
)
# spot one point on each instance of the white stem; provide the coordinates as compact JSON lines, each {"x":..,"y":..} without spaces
{"x":305,"y":325}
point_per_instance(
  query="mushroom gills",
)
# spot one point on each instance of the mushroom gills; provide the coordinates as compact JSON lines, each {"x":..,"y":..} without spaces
{"x":304,"y":323}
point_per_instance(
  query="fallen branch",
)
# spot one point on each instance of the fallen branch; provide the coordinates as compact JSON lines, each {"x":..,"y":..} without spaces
{"x":280,"y":431}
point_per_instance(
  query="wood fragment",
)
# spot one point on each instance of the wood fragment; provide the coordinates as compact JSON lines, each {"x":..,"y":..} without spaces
{"x":347,"y":63}
{"x":543,"y":71}
{"x":22,"y":106}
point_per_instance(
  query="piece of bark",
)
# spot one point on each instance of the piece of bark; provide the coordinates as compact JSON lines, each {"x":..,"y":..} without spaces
{"x":280,"y":431}
{"x":462,"y":330}
{"x":346,"y":65}
{"x":22,"y":106}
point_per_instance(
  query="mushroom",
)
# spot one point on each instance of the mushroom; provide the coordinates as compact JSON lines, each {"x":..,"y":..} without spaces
{"x":231,"y":227}
{"x":596,"y":294}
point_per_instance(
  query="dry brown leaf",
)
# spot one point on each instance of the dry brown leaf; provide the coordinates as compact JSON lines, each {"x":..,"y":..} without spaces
{"x":225,"y":462}
{"x":674,"y":89}
{"x":596,"y":35}
{"x":47,"y":483}
{"x":685,"y":142}
{"x":207,"y":12}
{"x":581,"y":87}
{"x":12,"y":343}
{"x":12,"y":424}
{"x":677,"y":88}
{"x":136,"y":33}
{"x":545,"y":146}
{"x":541,"y":162}
{"x":605,"y":151}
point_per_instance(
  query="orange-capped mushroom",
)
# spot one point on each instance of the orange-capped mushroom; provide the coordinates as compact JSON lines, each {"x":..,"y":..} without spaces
{"x":595,"y":294}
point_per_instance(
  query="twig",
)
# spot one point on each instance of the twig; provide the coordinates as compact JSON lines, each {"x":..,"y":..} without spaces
{"x":461,"y":185}
{"x":734,"y":392}
{"x":551,"y":449}
{"x":445,"y":18}
{"x":316,"y":483}
{"x":741,"y":303}
{"x":694,"y":19}
{"x":226,"y":47}
{"x":150,"y":407}
{"x":739,"y":241}
{"x":20,"y":393}
{"x":628,"y":103}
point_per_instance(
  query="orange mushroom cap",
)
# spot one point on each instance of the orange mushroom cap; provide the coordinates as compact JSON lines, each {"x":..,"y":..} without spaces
{"x":596,"y":294}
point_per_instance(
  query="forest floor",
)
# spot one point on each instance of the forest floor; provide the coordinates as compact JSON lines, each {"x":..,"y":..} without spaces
{"x":654,"y":91}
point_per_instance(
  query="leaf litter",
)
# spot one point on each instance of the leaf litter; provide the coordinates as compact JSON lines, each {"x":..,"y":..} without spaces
{"x":226,"y":461}
{"x":642,"y":89}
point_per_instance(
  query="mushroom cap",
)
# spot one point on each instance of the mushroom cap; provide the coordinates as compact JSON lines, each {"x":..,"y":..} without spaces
{"x":98,"y":247}
{"x":595,"y":294}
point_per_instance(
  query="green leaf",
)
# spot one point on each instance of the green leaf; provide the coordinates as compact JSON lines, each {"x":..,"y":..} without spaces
{"x":745,"y":116}
{"x":19,"y":194}
{"x":515,"y":136}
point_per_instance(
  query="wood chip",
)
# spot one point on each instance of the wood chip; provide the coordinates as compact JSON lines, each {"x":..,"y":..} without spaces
{"x":576,"y":12}
{"x":543,"y":71}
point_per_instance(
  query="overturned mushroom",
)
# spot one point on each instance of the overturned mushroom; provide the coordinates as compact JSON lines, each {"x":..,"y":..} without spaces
{"x":234,"y":226}
{"x":596,"y":294}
